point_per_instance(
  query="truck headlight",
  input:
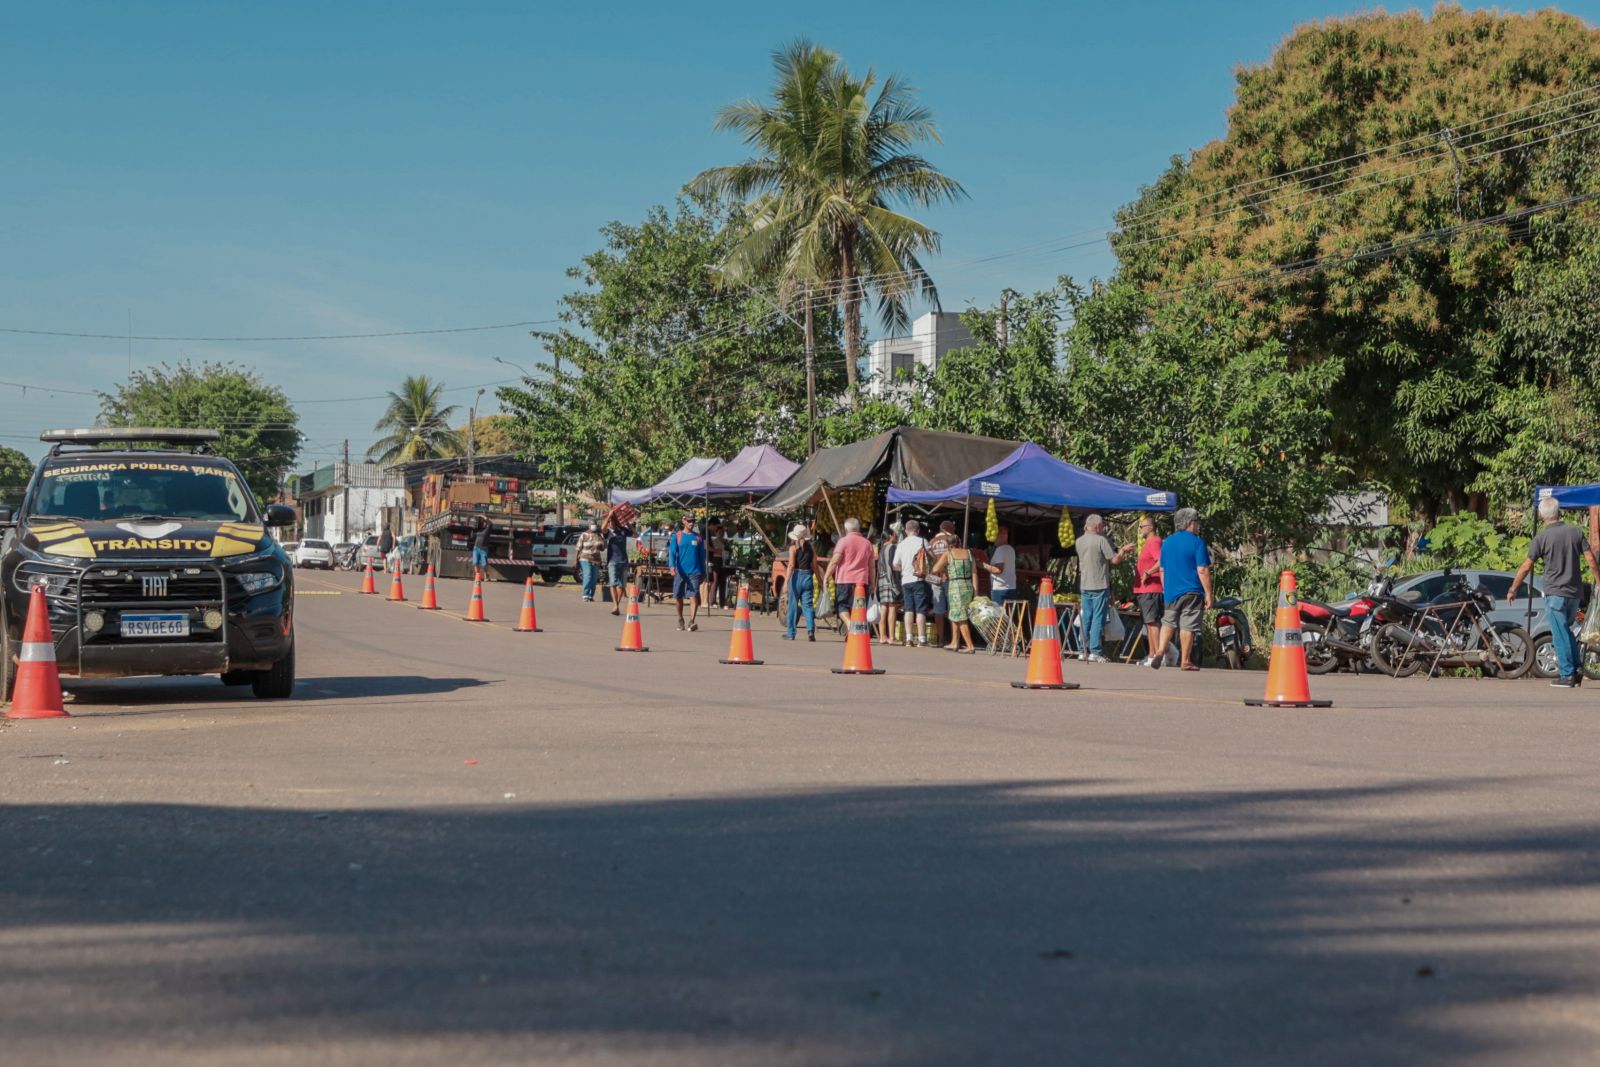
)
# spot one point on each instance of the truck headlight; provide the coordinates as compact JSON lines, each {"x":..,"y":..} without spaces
{"x":253,"y":582}
{"x":56,"y":583}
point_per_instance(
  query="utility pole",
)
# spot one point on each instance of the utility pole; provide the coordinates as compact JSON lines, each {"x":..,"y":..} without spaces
{"x":561,"y":495}
{"x":345,"y":478}
{"x":811,"y":379}
{"x":1004,"y":294}
{"x":472,"y":435}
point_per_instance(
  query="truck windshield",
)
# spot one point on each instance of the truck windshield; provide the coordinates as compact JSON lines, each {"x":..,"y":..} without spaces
{"x":83,"y":488}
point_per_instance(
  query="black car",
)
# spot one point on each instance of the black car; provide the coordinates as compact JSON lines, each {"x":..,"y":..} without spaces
{"x":154,"y":559}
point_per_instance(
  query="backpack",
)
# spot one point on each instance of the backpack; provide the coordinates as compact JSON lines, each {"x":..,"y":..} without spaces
{"x":919,"y":562}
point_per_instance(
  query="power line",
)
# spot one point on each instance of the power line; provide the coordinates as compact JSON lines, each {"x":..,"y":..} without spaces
{"x":301,"y":337}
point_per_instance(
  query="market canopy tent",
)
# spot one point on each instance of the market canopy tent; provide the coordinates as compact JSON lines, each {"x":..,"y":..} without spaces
{"x":1032,"y":483}
{"x":758,"y":469}
{"x":912,"y":459}
{"x":698,"y":467}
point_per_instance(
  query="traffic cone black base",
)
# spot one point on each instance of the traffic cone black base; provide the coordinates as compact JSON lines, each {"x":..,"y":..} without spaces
{"x":858,"y":670}
{"x":621,"y":649}
{"x":1044,"y":685}
{"x":1254,"y":703}
{"x":742,"y":662}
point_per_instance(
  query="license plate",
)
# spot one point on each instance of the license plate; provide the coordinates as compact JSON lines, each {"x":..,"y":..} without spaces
{"x":1225,"y":631}
{"x":155,"y":626}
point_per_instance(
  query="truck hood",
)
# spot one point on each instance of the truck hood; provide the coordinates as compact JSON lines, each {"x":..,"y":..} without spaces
{"x":167,"y":539}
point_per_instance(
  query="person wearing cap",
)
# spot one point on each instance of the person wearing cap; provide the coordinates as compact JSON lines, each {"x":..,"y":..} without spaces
{"x":686,"y":560}
{"x":616,"y":542}
{"x":1186,"y":589}
{"x":590,"y":551}
{"x":802,"y":560}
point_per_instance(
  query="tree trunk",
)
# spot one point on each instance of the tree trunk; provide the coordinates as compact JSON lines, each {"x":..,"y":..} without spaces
{"x":852,"y":320}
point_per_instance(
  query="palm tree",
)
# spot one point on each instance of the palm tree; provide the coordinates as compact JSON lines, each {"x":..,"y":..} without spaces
{"x":418,"y":427}
{"x":831,"y":165}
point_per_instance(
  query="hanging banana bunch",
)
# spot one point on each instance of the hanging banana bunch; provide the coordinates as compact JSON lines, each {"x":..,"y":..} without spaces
{"x":1065,"y":534}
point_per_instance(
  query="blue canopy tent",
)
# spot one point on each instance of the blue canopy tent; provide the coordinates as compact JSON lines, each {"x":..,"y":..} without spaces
{"x":1569,"y":496}
{"x":1030,"y":483}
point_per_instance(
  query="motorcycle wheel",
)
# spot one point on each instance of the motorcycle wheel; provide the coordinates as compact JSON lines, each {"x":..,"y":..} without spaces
{"x":1515,"y":651}
{"x":1234,"y":657}
{"x":1320,"y":659}
{"x":1389,"y":655}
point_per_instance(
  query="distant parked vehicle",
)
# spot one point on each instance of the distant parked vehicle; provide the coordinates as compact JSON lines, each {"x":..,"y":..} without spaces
{"x":344,"y":555}
{"x":289,"y":548}
{"x":368,"y":553}
{"x":406,"y":555}
{"x":314,"y":553}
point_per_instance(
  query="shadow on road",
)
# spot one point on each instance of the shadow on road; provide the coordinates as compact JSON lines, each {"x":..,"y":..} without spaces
{"x":208,"y":690}
{"x":1050,"y":923}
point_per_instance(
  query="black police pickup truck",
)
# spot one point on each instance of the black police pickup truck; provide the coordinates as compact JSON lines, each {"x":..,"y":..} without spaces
{"x":154,"y":560}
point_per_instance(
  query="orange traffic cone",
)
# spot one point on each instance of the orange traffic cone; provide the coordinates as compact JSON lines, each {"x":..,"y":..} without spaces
{"x":36,"y":692}
{"x":528,"y":622}
{"x":858,"y":642}
{"x":369,"y":584}
{"x":475,"y":608}
{"x":1044,"y":654}
{"x":1287,"y":684}
{"x":741,"y":646}
{"x":397,"y":591}
{"x":632,"y":632}
{"x":430,"y":595}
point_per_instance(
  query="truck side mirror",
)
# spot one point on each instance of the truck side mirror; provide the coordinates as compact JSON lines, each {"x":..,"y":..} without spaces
{"x":279,"y":515}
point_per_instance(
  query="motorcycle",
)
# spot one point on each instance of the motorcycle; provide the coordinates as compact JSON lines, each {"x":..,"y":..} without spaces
{"x":1451,"y":631}
{"x":1336,"y":635}
{"x":1233,"y":631}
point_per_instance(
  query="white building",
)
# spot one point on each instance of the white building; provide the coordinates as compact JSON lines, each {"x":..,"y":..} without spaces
{"x":932,"y":335}
{"x":345,"y":502}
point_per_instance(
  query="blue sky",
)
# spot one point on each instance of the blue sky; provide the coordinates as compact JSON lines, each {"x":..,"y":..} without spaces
{"x":313,"y":168}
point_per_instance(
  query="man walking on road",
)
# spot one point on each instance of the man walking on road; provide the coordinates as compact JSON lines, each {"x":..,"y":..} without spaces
{"x":480,"y":545}
{"x":1562,"y":548}
{"x":385,"y":546}
{"x":850,"y":567}
{"x":1186,"y":577}
{"x":616,"y":541}
{"x":686,"y":559}
{"x":1096,"y":557}
{"x":590,"y":548}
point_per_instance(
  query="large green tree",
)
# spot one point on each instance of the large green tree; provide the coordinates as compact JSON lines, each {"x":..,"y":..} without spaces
{"x":416,"y":424}
{"x":257,"y":424}
{"x":825,"y":189}
{"x":1340,"y":218}
{"x":659,"y":361}
{"x":15,"y":470}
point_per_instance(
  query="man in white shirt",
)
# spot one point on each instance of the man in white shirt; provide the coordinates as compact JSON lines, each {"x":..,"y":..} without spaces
{"x":1002,"y":567}
{"x":911,"y":560}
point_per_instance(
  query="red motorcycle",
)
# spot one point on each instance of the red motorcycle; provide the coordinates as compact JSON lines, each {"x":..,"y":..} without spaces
{"x":1337,"y":635}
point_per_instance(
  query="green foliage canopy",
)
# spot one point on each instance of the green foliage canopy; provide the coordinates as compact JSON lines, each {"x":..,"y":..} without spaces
{"x":1453,"y":363}
{"x":15,"y":470}
{"x":257,"y":424}
{"x":660,"y":361}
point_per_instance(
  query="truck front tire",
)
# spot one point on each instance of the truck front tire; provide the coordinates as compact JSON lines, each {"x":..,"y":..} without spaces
{"x":277,"y":681}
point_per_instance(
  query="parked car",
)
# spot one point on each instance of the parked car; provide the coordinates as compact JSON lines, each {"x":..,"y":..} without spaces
{"x":555,"y":552}
{"x":313,"y":553}
{"x":289,"y":548}
{"x":406,"y":555}
{"x":368,"y":554}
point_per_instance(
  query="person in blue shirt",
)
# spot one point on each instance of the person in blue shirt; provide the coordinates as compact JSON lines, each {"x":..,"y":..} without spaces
{"x":616,"y":542}
{"x":686,"y":559}
{"x":1186,"y":589}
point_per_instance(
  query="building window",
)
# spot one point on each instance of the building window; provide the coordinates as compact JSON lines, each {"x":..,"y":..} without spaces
{"x":900,"y":364}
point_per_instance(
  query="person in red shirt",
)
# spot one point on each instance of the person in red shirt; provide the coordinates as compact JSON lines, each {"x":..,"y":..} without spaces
{"x":850,"y":567}
{"x":1147,"y":581}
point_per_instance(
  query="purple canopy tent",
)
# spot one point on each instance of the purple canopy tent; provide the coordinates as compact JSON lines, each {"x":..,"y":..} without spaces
{"x":757,"y":469}
{"x":697,"y":467}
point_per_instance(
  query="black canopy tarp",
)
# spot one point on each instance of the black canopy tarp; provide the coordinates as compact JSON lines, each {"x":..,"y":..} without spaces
{"x":912,"y":459}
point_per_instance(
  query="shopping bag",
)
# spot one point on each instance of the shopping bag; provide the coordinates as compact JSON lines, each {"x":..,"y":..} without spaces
{"x":1589,"y":635}
{"x":825,"y":594}
{"x":872,"y":613}
{"x":1114,"y":630}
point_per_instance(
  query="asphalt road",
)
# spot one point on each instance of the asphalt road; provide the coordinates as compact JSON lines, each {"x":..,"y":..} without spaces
{"x":464,"y":845}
